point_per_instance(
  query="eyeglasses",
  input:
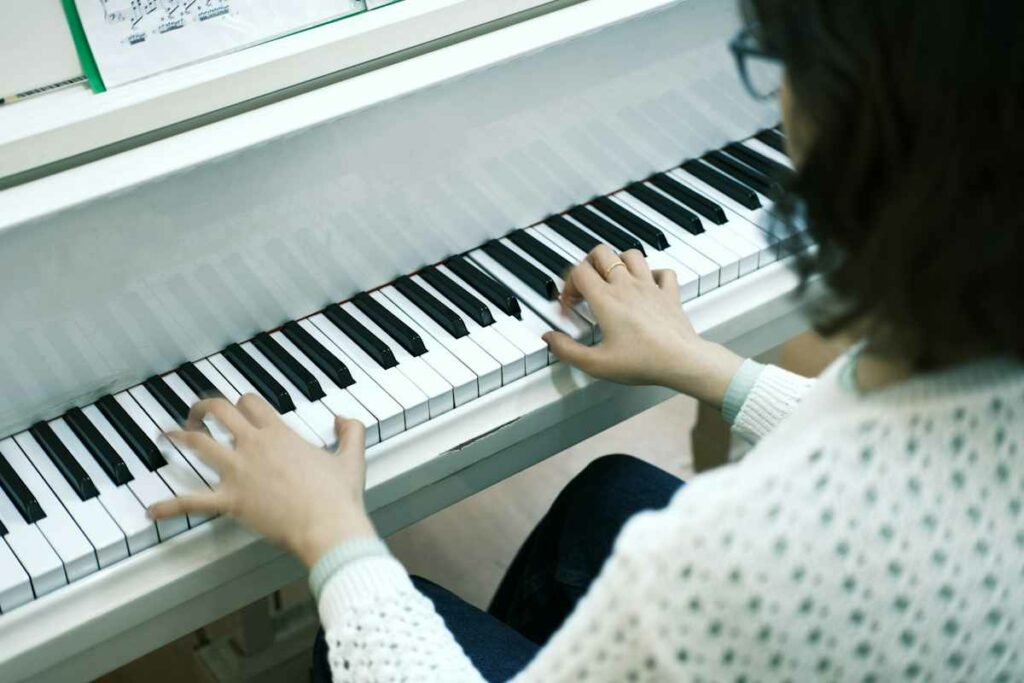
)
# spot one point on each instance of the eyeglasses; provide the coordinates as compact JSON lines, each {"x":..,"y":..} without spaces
{"x":761,"y":71}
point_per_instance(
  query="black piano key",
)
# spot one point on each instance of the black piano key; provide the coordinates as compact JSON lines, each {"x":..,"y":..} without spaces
{"x":3,"y":530}
{"x":547,"y":257}
{"x":773,"y":139}
{"x":367,"y":341}
{"x":200,"y":385}
{"x":684,"y":195}
{"x":133,"y":434}
{"x":446,"y":318}
{"x":743,"y":173}
{"x":62,"y":459}
{"x":269,"y":388}
{"x":302,"y":378}
{"x":759,"y":162}
{"x":580,"y":238}
{"x":167,"y":399}
{"x":390,"y":323}
{"x":633,"y":223}
{"x":532,"y":276}
{"x":329,"y":364}
{"x":477,"y":310}
{"x":723,"y":183}
{"x":100,"y":449}
{"x":19,"y":494}
{"x":495,"y":292}
{"x":684,"y":218}
{"x":606,"y":230}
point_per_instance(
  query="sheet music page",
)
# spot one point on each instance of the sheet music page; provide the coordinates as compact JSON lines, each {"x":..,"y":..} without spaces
{"x":131,"y":39}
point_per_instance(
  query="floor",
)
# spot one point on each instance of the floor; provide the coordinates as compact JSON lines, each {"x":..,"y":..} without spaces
{"x":467,"y":546}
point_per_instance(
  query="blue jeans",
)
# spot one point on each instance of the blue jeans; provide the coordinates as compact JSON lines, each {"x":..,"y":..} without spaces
{"x":552,"y":571}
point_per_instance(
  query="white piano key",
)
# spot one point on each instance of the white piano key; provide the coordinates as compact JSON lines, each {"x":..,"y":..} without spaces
{"x":708,"y":272}
{"x":582,"y":308}
{"x":525,"y":335}
{"x":414,"y":402}
{"x":67,"y":540}
{"x":148,"y":487}
{"x":768,"y":151}
{"x":217,"y":431}
{"x":728,"y":241}
{"x":727,"y":261}
{"x":238,"y":385}
{"x":657,"y":260}
{"x":337,"y":400}
{"x":761,"y":217}
{"x":512,"y":358}
{"x":768,"y":246}
{"x":439,"y":393}
{"x":486,"y":370}
{"x":166,"y":423}
{"x":118,"y":501}
{"x":388,"y":413}
{"x":15,"y":586}
{"x":571,"y":323}
{"x":314,"y":413}
{"x":90,"y":516}
{"x":454,"y":371}
{"x":43,"y":568}
{"x":689,"y":283}
{"x":177,"y":473}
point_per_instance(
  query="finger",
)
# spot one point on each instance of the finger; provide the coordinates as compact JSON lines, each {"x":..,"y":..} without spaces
{"x":351,"y":435}
{"x":583,"y":283}
{"x":208,"y":503}
{"x":636,"y":264}
{"x":204,"y":445}
{"x":572,"y":352}
{"x":606,"y":262}
{"x":222,"y":409}
{"x":667,"y":281}
{"x":259,"y":413}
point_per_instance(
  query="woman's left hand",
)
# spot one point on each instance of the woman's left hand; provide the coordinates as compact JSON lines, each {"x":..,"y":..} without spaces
{"x":274,"y":482}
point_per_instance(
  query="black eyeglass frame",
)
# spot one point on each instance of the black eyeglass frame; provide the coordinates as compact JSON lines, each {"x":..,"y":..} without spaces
{"x":745,"y":45}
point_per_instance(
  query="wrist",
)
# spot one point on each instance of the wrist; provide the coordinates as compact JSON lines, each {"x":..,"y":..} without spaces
{"x":704,"y":371}
{"x":324,"y":534}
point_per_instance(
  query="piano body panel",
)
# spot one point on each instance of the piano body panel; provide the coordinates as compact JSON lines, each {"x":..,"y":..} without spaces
{"x":132,"y":607}
{"x":133,"y":263}
{"x":44,"y":133}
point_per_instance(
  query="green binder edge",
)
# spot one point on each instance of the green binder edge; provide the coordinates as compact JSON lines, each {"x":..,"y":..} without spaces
{"x":92,"y":72}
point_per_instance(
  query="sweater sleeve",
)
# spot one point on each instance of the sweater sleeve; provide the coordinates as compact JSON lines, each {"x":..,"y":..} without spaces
{"x":380,"y":628}
{"x":770,"y":399}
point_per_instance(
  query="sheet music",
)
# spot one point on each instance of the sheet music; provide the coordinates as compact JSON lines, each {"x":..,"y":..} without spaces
{"x":131,"y":39}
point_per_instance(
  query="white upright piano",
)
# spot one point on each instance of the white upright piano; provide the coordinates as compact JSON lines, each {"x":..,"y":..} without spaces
{"x":367,"y":218}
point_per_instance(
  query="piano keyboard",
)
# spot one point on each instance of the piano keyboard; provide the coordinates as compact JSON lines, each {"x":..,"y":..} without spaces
{"x":74,"y":489}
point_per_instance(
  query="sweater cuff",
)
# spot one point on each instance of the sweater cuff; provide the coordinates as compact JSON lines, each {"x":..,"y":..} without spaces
{"x":360,"y":583}
{"x":770,"y":400}
{"x":341,"y":555}
{"x":739,"y":388}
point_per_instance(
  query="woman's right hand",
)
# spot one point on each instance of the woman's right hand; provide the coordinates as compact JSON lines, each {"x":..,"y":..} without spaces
{"x":646,"y":336}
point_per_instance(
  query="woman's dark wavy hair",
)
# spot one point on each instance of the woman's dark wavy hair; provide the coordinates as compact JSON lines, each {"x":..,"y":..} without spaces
{"x":912,"y":184}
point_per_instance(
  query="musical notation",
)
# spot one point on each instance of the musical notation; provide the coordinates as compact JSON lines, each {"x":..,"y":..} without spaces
{"x":132,"y":39}
{"x":143,"y":18}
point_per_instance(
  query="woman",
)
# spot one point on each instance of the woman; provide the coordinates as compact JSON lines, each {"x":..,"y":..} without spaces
{"x":875,"y":532}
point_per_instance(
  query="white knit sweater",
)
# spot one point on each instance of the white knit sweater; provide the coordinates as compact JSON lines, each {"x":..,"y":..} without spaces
{"x":873,"y":537}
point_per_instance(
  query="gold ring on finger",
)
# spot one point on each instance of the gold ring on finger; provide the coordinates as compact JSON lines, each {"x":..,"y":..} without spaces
{"x":612,"y":267}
